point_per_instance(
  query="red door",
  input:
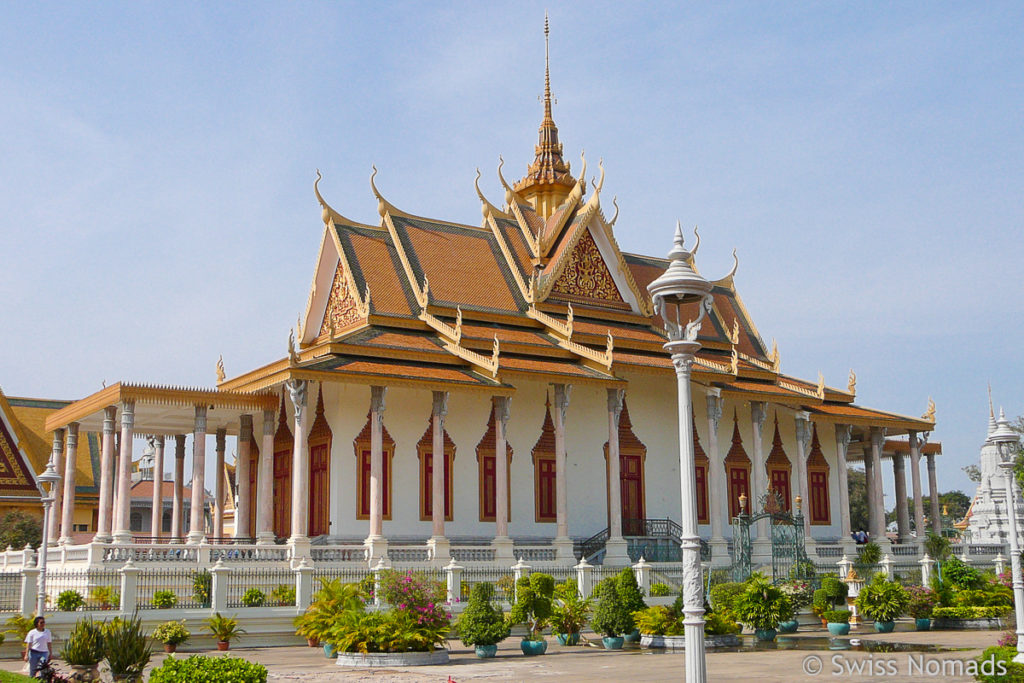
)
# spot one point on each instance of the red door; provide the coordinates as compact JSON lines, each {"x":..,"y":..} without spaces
{"x":631,"y":469}
{"x":780,"y":484}
{"x":282,"y":493}
{"x":702,"y":494}
{"x":819,"y":498}
{"x":319,"y":493}
{"x":546,"y":511}
{"x":490,"y":487}
{"x":254,"y":462}
{"x":738,"y":485}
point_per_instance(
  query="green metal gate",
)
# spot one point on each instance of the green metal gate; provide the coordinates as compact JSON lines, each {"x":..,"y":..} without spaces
{"x":789,"y":560}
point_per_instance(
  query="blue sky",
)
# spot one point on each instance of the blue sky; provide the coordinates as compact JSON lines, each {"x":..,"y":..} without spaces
{"x":865,"y":159}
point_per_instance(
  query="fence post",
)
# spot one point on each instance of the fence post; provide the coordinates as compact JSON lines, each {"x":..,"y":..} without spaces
{"x":129,"y":587}
{"x":519,"y":570}
{"x":845,"y":565}
{"x":887,"y":565}
{"x":29,"y":590}
{"x":584,"y":578}
{"x":454,"y":577}
{"x":303,"y":585}
{"x":926,"y":569}
{"x":1000,"y":563}
{"x":203,"y":554}
{"x":28,"y":556}
{"x":378,"y":569}
{"x":219,"y":587}
{"x":642,"y":570}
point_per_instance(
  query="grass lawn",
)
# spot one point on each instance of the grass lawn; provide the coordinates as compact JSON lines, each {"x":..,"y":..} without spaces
{"x":8,"y":677}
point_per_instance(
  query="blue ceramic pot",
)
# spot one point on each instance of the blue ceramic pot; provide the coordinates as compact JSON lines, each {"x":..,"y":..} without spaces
{"x":789,"y":626}
{"x":766,"y":634}
{"x":613,"y":643}
{"x":923,"y":624}
{"x":568,"y":638}
{"x":531,"y":648}
{"x":486,"y":651}
{"x":838,"y":629}
{"x":633,"y":637}
{"x":885,"y":626}
{"x":329,"y":651}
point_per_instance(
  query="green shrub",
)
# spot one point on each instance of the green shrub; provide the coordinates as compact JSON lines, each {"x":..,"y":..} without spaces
{"x":106,"y":597}
{"x":611,"y":616}
{"x":820,"y":602}
{"x":1002,"y":668}
{"x":84,"y":646}
{"x":202,"y":584}
{"x":660,"y":589}
{"x":882,"y":600}
{"x":534,"y":602}
{"x":835,"y":589}
{"x":991,"y":595}
{"x":570,"y":611}
{"x":199,"y":669}
{"x":506,"y":585}
{"x":718,"y":624}
{"x":164,"y":599}
{"x":869,"y":553}
{"x":481,"y":623}
{"x":837,"y":616}
{"x":69,"y":601}
{"x":658,"y":621}
{"x":285,"y":595}
{"x":224,"y":629}
{"x":171,"y":633}
{"x":127,"y":647}
{"x":922,"y":602}
{"x":254,"y":597}
{"x":724,"y":595}
{"x":961,"y":575}
{"x":763,"y":606}
{"x":970,"y":612}
{"x":329,"y":603}
{"x":937,"y":547}
{"x":396,"y":630}
{"x":629,"y":590}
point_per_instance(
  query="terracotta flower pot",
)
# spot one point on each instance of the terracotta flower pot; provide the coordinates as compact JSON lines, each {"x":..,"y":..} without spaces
{"x":170,"y":647}
{"x":312,"y":642}
{"x":223,"y":645}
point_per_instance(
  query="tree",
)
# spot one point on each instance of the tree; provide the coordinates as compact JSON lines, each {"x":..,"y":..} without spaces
{"x":973,"y":473}
{"x":856,"y":483}
{"x":18,"y":528}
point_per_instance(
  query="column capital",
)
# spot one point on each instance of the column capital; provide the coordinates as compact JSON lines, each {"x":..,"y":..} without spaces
{"x":269,"y":423}
{"x":502,"y":409}
{"x":298,"y":391}
{"x":245,"y":428}
{"x":127,"y":413}
{"x":200,"y":422}
{"x":615,"y":398}
{"x":439,"y":405}
{"x":713,"y":398}
{"x":562,"y":394}
{"x":109,"y":415}
{"x":844,"y":433}
{"x":160,"y":441}
{"x":897,"y":462}
{"x":378,"y":394}
{"x":803,"y":430}
{"x":758,"y":413}
{"x":221,"y":439}
{"x":179,"y":445}
{"x":58,"y":440}
{"x":72,"y":435}
{"x":877,"y":438}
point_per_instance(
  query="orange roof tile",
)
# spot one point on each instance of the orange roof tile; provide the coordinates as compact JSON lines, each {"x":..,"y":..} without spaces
{"x":375,"y":262}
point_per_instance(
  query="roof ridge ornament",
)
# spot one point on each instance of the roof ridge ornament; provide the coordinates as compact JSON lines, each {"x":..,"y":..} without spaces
{"x":820,"y":392}
{"x":775,"y":357}
{"x":220,"y":369}
{"x":929,"y":414}
{"x":851,"y":385}
{"x":293,"y":357}
{"x":615,"y":203}
{"x":383,"y":205}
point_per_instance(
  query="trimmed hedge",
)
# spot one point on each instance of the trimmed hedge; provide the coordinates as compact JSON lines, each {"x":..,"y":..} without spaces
{"x":970,"y":612}
{"x":199,"y":669}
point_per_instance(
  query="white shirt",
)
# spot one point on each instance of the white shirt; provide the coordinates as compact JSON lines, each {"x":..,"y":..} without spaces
{"x":39,"y":640}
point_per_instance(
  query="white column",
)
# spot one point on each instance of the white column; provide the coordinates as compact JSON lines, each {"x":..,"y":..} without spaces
{"x":242,"y":474}
{"x":803,"y":442}
{"x":178,"y":503}
{"x":902,"y":511}
{"x":197,"y":501}
{"x":439,"y":548}
{"x":877,"y":497}
{"x":915,"y":484}
{"x":157,"y":518}
{"x":375,"y":541}
{"x":933,"y":494}
{"x":758,"y":416}
{"x":265,"y":483}
{"x":502,"y":542}
{"x":68,"y":518}
{"x":562,"y":541}
{"x":843,"y":433}
{"x":54,"y":518}
{"x":718,"y":490}
{"x":122,"y":518}
{"x":106,"y":500}
{"x":298,"y":390}
{"x":616,"y":548}
{"x":218,"y":484}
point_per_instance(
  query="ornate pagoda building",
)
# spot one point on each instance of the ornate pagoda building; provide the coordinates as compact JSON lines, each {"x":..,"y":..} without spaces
{"x":476,"y":391}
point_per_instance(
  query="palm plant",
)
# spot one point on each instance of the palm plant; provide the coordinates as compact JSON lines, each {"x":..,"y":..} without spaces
{"x":224,"y":629}
{"x":127,"y":648}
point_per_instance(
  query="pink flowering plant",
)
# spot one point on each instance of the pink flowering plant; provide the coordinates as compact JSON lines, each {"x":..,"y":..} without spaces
{"x":799,"y":592}
{"x":922,"y":602}
{"x":416,"y":593}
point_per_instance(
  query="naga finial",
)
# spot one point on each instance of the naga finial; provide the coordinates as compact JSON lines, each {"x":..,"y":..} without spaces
{"x":615,"y":203}
{"x":696,"y":246}
{"x":821,"y":385}
{"x":220,"y":369}
{"x":929,"y":414}
{"x":293,"y":357}
{"x":851,"y":385}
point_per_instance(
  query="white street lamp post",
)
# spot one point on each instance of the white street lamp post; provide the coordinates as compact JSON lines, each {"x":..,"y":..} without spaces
{"x":1007,"y":441}
{"x":680,"y":286}
{"x":48,"y":484}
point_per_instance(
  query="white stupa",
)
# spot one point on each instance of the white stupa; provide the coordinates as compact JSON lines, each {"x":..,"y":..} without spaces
{"x":987,"y":520}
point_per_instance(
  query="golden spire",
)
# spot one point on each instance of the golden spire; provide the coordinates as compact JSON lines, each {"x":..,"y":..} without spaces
{"x":547,"y":181}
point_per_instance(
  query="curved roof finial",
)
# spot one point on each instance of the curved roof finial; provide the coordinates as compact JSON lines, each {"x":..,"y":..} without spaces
{"x":693,"y":252}
{"x":615,"y":203}
{"x":509,"y":192}
{"x":600,"y":181}
{"x":383,"y":205}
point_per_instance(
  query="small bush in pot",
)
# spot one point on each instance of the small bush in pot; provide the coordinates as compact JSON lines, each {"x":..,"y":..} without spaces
{"x":533,"y":607}
{"x":660,"y":621}
{"x":762,"y":607}
{"x":283,"y":595}
{"x":883,"y":601}
{"x":481,"y":625}
{"x":569,"y":614}
{"x":164,"y":599}
{"x":659,"y":590}
{"x":922,"y":604}
{"x":838,"y":621}
{"x":224,"y":629}
{"x":84,"y":649}
{"x":69,"y":601}
{"x":171,"y":634}
{"x":202,"y":585}
{"x":718,"y":624}
{"x":632,"y":598}
{"x":128,"y":649}
{"x":724,"y":595}
{"x":106,"y":597}
{"x":611,"y":616}
{"x":254,"y":597}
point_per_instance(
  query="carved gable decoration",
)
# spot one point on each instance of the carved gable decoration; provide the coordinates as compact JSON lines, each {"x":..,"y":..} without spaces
{"x":14,"y":473}
{"x":586,"y":275}
{"x":342,"y":308}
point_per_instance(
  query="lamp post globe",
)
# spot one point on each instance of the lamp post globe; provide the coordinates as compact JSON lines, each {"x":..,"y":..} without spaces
{"x":675,"y":293}
{"x":48,"y":481}
{"x":1007,"y":442}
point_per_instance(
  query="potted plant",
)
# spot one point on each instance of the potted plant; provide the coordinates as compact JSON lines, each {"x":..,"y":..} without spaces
{"x":202,"y":585}
{"x":254,"y":597}
{"x":20,"y":626}
{"x":821,"y":604}
{"x":632,"y":600}
{"x":171,"y":634}
{"x":611,"y":617}
{"x":106,"y":597}
{"x":83,"y":650}
{"x":69,"y":601}
{"x":762,"y":607}
{"x":569,"y":615}
{"x":283,"y":595}
{"x":883,"y":601}
{"x":333,"y":598}
{"x":482,"y":625}
{"x":164,"y":599}
{"x":800,"y":594}
{"x":922,"y":603}
{"x":127,"y":648}
{"x":224,"y":629}
{"x":838,"y":621}
{"x":533,"y":607}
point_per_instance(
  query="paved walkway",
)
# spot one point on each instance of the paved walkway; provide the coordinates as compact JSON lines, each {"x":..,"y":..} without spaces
{"x":596,"y":664}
